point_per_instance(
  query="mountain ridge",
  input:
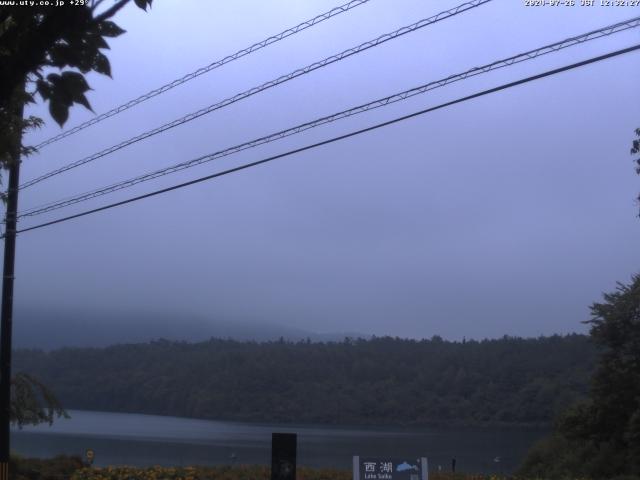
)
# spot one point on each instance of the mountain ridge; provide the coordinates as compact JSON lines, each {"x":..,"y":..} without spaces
{"x":53,"y":328}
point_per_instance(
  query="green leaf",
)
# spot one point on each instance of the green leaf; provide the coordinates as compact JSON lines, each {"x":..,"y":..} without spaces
{"x":60,"y":93}
{"x":101,"y":64}
{"x":59,"y":111}
{"x":63,"y":91}
{"x":76,"y":85}
{"x":75,"y":82}
{"x":32,"y":402}
{"x":44,"y":89}
{"x":82,"y":100}
{"x":143,"y":4}
{"x":29,"y":98}
{"x":99,"y":41}
{"x":109,"y":29}
{"x":32,"y":122}
{"x":6,"y":24}
{"x":62,"y":55}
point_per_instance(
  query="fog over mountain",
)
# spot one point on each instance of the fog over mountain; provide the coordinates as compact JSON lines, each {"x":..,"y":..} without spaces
{"x":37,"y":327}
{"x":509,"y":214}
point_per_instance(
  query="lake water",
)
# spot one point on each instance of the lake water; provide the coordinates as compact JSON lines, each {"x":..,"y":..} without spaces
{"x":143,"y":440}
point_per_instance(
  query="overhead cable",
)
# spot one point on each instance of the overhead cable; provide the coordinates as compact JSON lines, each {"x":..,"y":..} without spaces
{"x":201,"y":71}
{"x":272,"y":83}
{"x":338,"y":138}
{"x":521,"y":57}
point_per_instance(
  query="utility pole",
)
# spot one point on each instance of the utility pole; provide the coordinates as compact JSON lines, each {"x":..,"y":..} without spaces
{"x":6,"y":321}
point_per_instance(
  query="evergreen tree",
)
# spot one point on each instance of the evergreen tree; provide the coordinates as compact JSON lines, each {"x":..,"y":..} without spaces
{"x":600,"y":437}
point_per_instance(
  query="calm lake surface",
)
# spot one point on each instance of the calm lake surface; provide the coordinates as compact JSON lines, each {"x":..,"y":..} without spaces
{"x":143,"y":440}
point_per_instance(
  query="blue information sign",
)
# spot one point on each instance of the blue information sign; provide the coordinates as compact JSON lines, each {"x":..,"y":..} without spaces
{"x":369,"y":468}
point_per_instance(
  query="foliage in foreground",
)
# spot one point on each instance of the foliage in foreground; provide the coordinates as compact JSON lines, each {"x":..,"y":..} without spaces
{"x":57,"y":468}
{"x":34,"y":39}
{"x":64,"y":467}
{"x":242,"y":472}
{"x":600,"y":437}
{"x":40,"y":38}
{"x":32,"y":402}
{"x":635,"y":150}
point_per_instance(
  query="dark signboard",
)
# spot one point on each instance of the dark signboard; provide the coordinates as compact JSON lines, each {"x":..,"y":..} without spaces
{"x":369,"y":468}
{"x":283,"y":456}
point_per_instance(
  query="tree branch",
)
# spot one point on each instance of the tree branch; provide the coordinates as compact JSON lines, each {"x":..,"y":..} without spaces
{"x":111,"y":11}
{"x":95,"y":4}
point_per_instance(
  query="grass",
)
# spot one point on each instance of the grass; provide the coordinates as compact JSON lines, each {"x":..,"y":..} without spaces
{"x":232,"y":473}
{"x":72,"y":468}
{"x":57,"y":468}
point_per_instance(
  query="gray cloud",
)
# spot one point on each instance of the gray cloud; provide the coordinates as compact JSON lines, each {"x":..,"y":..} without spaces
{"x":509,"y":214}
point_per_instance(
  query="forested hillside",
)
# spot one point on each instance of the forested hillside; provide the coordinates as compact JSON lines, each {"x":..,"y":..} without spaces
{"x":378,"y":381}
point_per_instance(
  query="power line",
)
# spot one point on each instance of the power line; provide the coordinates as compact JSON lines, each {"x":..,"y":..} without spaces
{"x":521,"y":57}
{"x":212,"y":66}
{"x":341,"y":137}
{"x":272,"y":83}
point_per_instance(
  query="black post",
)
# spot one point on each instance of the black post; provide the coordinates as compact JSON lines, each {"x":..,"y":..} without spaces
{"x":7,"y":301}
{"x":283,"y":456}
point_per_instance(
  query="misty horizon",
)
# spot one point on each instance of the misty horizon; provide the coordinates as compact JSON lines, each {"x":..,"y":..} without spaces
{"x":489,"y":218}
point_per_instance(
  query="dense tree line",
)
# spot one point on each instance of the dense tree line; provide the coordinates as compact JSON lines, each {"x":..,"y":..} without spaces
{"x":599,"y":437}
{"x":377,"y":381}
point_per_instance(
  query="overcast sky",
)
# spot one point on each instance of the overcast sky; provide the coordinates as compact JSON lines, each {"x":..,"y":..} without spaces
{"x":508,"y":214}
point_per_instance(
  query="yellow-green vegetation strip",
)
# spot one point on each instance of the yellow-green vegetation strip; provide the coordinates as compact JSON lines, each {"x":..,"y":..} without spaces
{"x":71,"y":468}
{"x":234,"y":473}
{"x":201,"y":473}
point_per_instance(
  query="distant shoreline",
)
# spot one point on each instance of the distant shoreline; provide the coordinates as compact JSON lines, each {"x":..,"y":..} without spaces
{"x":503,"y":383}
{"x":408,"y":428}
